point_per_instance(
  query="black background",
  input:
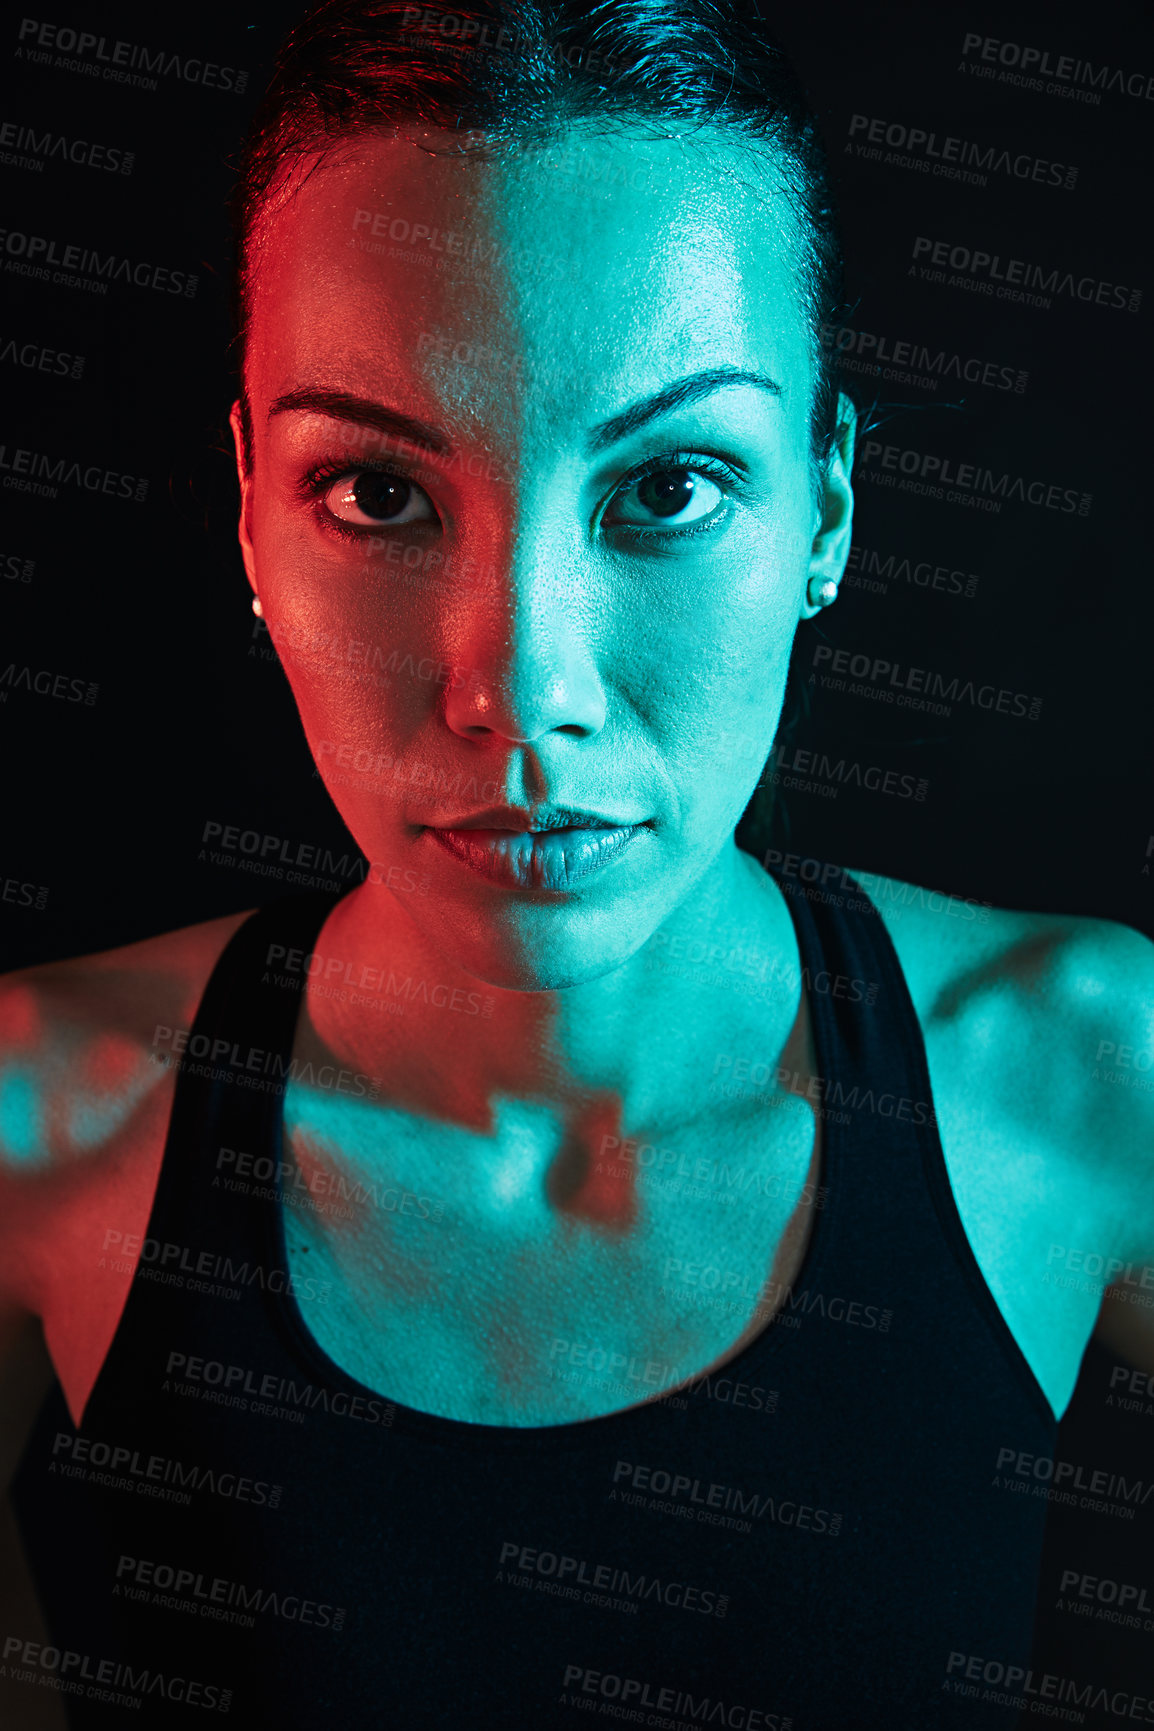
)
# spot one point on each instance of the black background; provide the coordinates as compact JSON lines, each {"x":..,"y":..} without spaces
{"x":193,"y":722}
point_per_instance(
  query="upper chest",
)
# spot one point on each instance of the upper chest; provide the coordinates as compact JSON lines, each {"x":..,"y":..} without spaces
{"x":468,"y":1279}
{"x":475,"y":1276}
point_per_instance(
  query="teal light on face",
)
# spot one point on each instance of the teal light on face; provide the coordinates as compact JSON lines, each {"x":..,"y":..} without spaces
{"x":23,"y":1138}
{"x":615,"y":497}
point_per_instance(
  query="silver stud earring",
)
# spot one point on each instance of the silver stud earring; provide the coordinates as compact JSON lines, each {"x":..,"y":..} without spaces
{"x":826,"y":595}
{"x":257,"y":607}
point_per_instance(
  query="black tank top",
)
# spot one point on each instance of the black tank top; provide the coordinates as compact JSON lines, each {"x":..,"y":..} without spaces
{"x":820,"y":1537}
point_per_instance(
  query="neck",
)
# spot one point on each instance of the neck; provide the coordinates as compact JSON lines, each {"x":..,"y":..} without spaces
{"x":722,"y":970}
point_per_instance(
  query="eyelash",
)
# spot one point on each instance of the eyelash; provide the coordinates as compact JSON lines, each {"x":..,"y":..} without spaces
{"x":712,"y":468}
{"x":313,"y":486}
{"x":316,"y":483}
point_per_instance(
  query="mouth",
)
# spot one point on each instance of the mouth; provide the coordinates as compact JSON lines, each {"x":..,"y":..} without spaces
{"x":552,"y":851}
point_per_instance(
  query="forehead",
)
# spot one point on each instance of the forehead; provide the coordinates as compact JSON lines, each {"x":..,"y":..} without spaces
{"x":557,"y":282}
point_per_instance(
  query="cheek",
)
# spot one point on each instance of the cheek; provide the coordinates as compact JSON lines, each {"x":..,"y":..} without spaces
{"x":361,"y":669}
{"x":717,"y":652}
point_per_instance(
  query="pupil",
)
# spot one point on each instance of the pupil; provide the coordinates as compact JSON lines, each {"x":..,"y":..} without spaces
{"x":381,"y":495}
{"x":667,"y":492}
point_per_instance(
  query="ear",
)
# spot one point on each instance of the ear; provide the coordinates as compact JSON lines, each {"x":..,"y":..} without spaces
{"x":831,"y":542}
{"x":244,"y":476}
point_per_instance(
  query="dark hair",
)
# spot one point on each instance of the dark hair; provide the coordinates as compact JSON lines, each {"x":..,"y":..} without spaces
{"x":509,"y":72}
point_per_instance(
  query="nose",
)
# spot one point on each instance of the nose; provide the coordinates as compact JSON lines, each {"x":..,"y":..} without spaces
{"x":526,"y":649}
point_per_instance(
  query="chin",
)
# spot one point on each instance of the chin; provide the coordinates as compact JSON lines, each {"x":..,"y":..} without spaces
{"x":546,"y":977}
{"x":542,"y":954}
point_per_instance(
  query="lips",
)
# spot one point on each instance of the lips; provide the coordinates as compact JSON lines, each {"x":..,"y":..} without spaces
{"x":552,"y":855}
{"x":523,"y":819}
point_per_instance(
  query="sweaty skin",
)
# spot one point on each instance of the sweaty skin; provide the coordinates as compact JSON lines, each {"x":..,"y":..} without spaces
{"x":522,"y":629}
{"x":602,"y":658}
{"x":598,"y":662}
{"x":586,"y":656}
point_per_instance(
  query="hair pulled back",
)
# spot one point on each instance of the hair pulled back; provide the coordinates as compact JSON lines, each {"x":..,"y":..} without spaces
{"x":510,"y":73}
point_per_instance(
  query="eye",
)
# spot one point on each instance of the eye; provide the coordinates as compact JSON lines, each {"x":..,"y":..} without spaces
{"x":366,"y":497}
{"x":674,"y":496}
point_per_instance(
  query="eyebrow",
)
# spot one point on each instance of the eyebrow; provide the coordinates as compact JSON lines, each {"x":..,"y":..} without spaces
{"x":678,"y":395}
{"x":362,"y":412}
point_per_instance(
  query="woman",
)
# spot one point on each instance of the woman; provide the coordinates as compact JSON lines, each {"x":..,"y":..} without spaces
{"x":457,"y":1318}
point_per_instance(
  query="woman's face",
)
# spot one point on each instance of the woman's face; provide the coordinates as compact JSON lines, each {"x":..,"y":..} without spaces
{"x":531,"y":516}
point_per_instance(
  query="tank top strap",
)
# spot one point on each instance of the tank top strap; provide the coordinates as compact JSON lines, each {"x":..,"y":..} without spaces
{"x":821,"y":1531}
{"x":890,"y":1204}
{"x":233,"y":1065}
{"x":865,"y":1022}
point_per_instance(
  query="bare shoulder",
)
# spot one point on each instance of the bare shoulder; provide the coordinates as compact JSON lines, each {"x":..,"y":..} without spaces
{"x":77,"y":1039}
{"x":1088,"y":983}
{"x":132,"y":976}
{"x":84,"y":1111}
{"x":1043,"y":1025}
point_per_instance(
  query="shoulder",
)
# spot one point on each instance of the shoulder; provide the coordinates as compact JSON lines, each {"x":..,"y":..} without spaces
{"x":1082,"y":977}
{"x":83,"y":1103}
{"x":1049,"y":1020}
{"x":102,"y":1010}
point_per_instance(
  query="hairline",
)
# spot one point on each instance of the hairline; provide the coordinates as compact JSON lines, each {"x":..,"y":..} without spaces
{"x":312,"y":155}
